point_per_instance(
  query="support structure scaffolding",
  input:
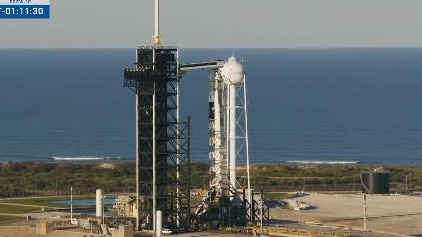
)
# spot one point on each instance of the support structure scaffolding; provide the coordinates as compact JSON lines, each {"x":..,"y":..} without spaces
{"x":162,"y":150}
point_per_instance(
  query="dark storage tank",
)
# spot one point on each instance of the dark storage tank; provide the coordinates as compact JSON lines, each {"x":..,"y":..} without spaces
{"x":376,"y":182}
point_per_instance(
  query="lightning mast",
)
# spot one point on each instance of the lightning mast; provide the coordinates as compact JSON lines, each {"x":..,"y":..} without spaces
{"x":156,"y":39}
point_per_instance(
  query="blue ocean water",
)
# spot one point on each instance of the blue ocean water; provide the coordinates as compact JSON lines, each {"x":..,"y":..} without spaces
{"x":304,"y":104}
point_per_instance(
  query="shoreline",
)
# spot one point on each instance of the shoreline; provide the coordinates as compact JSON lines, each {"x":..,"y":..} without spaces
{"x":88,"y":160}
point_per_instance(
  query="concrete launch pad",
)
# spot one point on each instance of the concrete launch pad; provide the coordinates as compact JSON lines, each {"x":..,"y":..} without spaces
{"x":389,"y":215}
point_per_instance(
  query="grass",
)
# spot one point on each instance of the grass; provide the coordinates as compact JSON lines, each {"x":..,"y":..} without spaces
{"x":36,"y":202}
{"x":19,"y":179}
{"x":277,"y":195}
{"x":12,"y":209}
{"x":4,"y":219}
{"x":45,"y":201}
{"x":50,"y":202}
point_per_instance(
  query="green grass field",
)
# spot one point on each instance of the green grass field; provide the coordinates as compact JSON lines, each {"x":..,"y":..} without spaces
{"x":35,"y":204}
{"x":45,"y":201}
{"x":4,"y":219}
{"x":11,"y":209}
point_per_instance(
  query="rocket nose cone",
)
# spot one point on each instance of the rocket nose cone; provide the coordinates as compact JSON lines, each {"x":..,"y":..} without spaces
{"x":232,"y":71}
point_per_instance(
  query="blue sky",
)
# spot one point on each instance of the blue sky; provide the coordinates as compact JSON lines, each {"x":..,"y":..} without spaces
{"x":222,"y":23}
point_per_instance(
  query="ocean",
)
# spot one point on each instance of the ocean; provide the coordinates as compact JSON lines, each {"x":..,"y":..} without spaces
{"x":338,"y":105}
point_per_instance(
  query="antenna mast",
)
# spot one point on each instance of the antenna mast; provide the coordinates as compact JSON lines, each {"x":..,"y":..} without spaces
{"x":156,"y":39}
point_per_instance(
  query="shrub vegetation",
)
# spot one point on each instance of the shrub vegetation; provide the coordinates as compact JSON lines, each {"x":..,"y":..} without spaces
{"x":37,"y":178}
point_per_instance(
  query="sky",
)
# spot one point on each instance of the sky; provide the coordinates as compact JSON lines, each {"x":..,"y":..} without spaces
{"x":222,"y":23}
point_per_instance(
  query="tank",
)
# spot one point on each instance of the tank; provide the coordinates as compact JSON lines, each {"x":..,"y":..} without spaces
{"x":99,"y":203}
{"x":376,"y":182}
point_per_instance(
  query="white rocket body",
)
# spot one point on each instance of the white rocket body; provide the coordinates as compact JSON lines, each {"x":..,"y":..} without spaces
{"x":223,"y":97}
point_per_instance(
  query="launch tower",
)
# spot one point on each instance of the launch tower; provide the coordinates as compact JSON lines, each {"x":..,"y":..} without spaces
{"x":162,"y":146}
{"x":162,"y":143}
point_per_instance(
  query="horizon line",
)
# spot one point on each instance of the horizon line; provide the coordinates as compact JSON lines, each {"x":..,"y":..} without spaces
{"x":214,"y":47}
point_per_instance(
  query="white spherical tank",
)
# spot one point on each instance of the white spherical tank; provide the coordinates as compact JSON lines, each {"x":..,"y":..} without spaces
{"x":232,"y":71}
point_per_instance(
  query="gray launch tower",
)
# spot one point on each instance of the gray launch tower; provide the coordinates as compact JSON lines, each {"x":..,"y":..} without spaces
{"x":162,"y":150}
{"x":162,"y":144}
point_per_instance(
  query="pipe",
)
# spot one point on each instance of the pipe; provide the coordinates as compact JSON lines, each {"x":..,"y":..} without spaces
{"x":156,"y":39}
{"x":159,"y":223}
{"x":154,"y":168}
{"x":137,"y":161}
{"x":247,"y":139}
{"x":232,"y":135}
{"x":99,"y":203}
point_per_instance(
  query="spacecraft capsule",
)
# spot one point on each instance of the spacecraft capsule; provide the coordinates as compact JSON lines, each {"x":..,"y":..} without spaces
{"x":232,"y":71}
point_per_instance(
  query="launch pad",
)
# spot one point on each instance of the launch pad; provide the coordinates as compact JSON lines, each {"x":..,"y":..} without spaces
{"x":163,"y":147}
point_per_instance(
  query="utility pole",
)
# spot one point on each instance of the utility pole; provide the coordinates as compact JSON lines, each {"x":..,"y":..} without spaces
{"x":71,"y":204}
{"x":364,"y":211}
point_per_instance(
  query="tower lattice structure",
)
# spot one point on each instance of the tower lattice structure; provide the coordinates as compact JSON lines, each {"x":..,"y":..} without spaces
{"x":162,"y":144}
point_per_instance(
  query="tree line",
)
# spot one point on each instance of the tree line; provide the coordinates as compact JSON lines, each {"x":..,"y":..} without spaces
{"x":50,"y":178}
